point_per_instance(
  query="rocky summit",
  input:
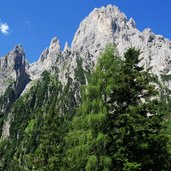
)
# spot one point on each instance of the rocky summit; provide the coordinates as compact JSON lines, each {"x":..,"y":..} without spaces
{"x":109,"y":25}
{"x":13,"y":68}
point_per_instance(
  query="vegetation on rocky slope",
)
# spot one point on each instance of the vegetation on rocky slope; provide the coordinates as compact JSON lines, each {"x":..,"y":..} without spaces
{"x":118,"y":121}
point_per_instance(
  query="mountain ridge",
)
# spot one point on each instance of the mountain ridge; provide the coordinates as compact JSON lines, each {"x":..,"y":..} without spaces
{"x":105,"y":25}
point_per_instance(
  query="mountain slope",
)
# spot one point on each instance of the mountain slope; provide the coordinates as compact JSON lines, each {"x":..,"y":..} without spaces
{"x":38,"y":98}
{"x":103,"y":26}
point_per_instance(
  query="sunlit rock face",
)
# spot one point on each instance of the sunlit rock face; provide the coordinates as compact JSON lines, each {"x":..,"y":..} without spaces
{"x":108,"y":25}
{"x":47,"y":59}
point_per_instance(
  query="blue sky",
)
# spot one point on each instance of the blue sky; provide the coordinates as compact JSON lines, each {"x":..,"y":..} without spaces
{"x":33,"y":23}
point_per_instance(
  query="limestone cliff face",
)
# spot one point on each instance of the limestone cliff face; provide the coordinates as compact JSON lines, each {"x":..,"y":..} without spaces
{"x":13,"y":68}
{"x":47,"y":60}
{"x":109,"y":25}
{"x":52,"y":58}
{"x":13,"y":79}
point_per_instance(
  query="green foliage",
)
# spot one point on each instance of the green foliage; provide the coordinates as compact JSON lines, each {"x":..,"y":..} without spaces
{"x":39,"y":125}
{"x":119,"y":125}
{"x":6,"y":102}
{"x":30,"y":126}
{"x":166,"y":77}
{"x":131,"y":166}
{"x":86,"y":141}
{"x":8,"y":98}
{"x":79,"y":72}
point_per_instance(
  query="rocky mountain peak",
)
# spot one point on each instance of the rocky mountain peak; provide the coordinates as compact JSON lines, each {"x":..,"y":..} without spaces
{"x":47,"y":59}
{"x":131,"y":23}
{"x":52,"y":52}
{"x":19,"y":47}
{"x":55,"y":45}
{"x":99,"y":28}
{"x":108,"y":25}
{"x":15,"y":59}
{"x":12,"y":66}
{"x":66,"y":46}
{"x":67,"y":50}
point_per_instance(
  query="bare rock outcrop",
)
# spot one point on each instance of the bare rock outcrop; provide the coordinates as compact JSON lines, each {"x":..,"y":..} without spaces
{"x":13,"y":68}
{"x":109,"y":25}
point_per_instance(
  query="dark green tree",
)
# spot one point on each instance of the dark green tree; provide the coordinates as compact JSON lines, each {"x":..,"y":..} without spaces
{"x":138,"y":130}
{"x":48,"y":154}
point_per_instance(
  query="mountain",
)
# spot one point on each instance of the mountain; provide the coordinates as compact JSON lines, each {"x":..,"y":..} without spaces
{"x":106,"y":25}
{"x":14,"y":77}
{"x":110,"y":25}
{"x":38,"y":98}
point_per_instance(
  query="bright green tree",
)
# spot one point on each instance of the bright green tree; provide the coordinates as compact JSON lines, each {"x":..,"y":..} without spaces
{"x":87,"y":138}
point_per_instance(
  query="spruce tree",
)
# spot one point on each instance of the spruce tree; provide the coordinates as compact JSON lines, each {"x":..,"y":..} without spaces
{"x":138,"y":134}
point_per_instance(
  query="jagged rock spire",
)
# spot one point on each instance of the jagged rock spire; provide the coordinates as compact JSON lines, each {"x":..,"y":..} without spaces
{"x":47,"y":59}
{"x":66,"y":46}
{"x":55,"y":45}
{"x":13,"y":68}
{"x":51,"y":52}
{"x":98,"y":29}
{"x":131,"y":23}
{"x":13,"y":58}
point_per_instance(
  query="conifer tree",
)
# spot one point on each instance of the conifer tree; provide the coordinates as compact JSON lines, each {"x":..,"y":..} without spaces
{"x":139,"y":134}
{"x":87,"y":140}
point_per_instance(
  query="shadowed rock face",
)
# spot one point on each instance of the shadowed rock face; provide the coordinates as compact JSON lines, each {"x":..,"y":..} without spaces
{"x":13,"y":68}
{"x":101,"y":27}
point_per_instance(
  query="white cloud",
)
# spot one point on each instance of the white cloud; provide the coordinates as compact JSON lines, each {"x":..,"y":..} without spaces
{"x":4,"y":28}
